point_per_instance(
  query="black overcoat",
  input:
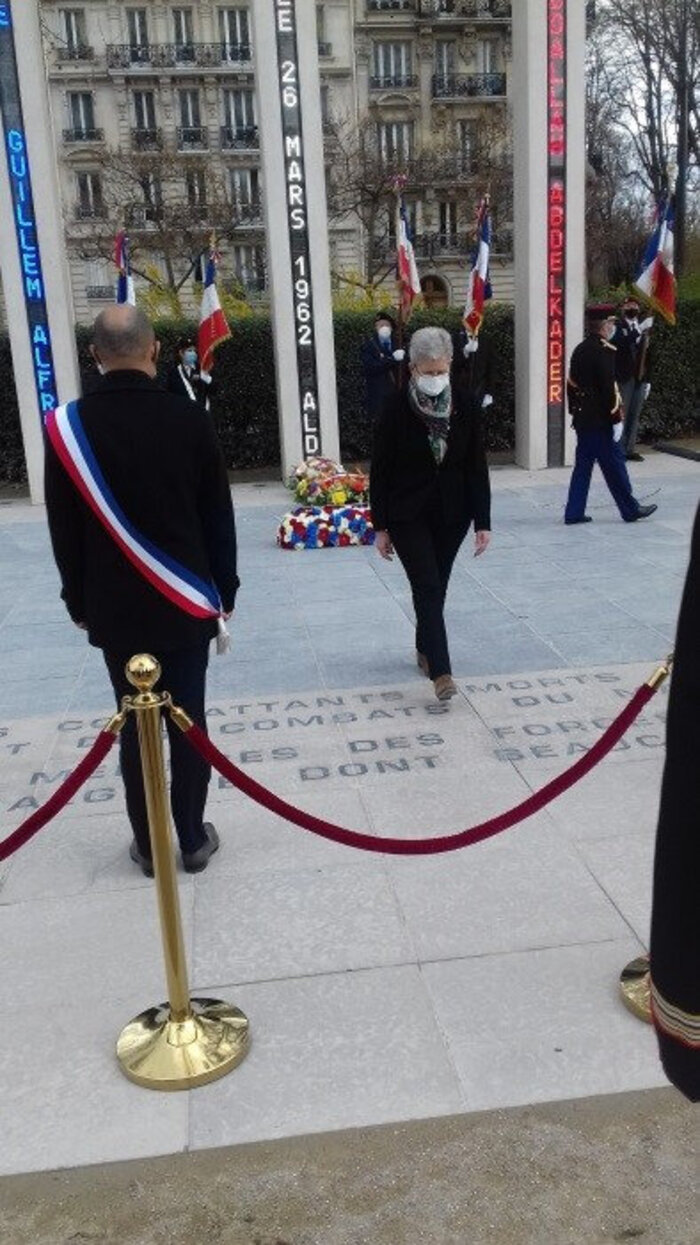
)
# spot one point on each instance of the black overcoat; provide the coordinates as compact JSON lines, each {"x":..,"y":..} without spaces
{"x":405,"y":479}
{"x":162,"y":461}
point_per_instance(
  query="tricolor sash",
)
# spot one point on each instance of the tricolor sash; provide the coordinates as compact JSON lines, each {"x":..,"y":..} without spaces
{"x":181,"y":587}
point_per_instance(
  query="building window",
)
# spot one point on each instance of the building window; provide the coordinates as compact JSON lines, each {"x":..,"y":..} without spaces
{"x":391,"y":65}
{"x":74,"y":34}
{"x":145,"y":110}
{"x":468,"y":145}
{"x":191,"y":132}
{"x":395,"y":140}
{"x":234,"y":32}
{"x":485,"y":56}
{"x":448,"y":222}
{"x":240,"y":127}
{"x":99,"y":279}
{"x":196,"y":187}
{"x":445,"y":58}
{"x":90,"y":203}
{"x":152,"y":192}
{"x":245,"y":191}
{"x":81,"y":116}
{"x":325,"y":105}
{"x":249,"y":267}
{"x":184,"y":38}
{"x":137,"y":27}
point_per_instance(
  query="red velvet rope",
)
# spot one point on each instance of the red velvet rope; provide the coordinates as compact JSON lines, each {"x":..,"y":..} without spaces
{"x":60,"y":797}
{"x":422,"y":847}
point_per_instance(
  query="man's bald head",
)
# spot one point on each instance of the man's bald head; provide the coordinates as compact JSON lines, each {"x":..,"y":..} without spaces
{"x":123,"y":339}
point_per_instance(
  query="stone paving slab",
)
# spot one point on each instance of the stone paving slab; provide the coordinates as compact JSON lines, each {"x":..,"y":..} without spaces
{"x":379,"y":989}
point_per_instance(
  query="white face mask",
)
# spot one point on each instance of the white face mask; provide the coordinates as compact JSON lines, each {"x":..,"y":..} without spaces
{"x":384,"y":333}
{"x":433,"y":386}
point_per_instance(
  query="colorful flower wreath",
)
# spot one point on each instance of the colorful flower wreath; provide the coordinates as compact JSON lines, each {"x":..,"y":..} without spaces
{"x":321,"y":482}
{"x":321,"y":527}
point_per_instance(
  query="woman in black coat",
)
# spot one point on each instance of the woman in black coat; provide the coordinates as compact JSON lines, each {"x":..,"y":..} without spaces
{"x":428,"y":483}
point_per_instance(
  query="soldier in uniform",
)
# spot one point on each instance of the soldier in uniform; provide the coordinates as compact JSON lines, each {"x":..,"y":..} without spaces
{"x":632,"y":371}
{"x":472,"y":367}
{"x":675,"y":917}
{"x":596,"y":410}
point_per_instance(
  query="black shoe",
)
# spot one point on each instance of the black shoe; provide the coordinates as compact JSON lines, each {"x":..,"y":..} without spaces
{"x":586,"y":518}
{"x":194,"y":862}
{"x":634,"y":458}
{"x":642,"y":513}
{"x":145,"y":863}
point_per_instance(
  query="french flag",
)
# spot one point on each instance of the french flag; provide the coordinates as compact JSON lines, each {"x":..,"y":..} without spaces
{"x":406,"y":269}
{"x":213,"y":327}
{"x":125,"y":284}
{"x":656,"y":283}
{"x":479,"y":286}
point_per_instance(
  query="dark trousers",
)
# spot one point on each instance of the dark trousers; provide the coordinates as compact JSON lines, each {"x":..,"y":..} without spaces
{"x":184,"y":676}
{"x":427,"y":548}
{"x":597,"y":446}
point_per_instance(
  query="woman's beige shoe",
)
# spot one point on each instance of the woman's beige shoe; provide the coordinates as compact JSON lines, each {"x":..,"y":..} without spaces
{"x":422,"y":661}
{"x":445,"y":687}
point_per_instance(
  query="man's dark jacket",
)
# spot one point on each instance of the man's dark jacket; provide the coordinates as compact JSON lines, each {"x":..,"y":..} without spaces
{"x":593,"y":395}
{"x":161,"y":459}
{"x":175,"y":384}
{"x":675,"y":917}
{"x":405,"y":479}
{"x":382,"y":373}
{"x":633,"y":358}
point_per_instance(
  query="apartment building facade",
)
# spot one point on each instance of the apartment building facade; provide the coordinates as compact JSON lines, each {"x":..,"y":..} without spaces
{"x":155,"y":125}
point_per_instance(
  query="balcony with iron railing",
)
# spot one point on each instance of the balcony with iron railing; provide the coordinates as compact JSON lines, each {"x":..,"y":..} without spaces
{"x":75,"y":52}
{"x":192,"y":138}
{"x":130,"y":56}
{"x":146,"y":138}
{"x":391,"y":6}
{"x":393,"y":81}
{"x":103,"y":292}
{"x":474,"y":10}
{"x":248,"y":213}
{"x":469,"y":86}
{"x":83,"y":134}
{"x":239,"y":138}
{"x":90,"y":211}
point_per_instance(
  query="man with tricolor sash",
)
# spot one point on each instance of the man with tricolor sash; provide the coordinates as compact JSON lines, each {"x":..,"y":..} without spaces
{"x":143,"y":533}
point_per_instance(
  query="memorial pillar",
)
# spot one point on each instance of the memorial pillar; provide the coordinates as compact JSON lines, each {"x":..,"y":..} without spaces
{"x":549,"y":39}
{"x":289,"y":117}
{"x":35,"y":275}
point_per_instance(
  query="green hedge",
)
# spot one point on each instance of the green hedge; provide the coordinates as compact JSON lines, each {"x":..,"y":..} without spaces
{"x":245,"y":408}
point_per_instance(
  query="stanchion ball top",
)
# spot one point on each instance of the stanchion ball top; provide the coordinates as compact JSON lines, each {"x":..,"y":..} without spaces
{"x":143,"y":671}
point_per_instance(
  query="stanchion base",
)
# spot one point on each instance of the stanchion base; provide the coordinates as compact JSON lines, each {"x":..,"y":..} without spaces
{"x":161,"y":1053}
{"x":635,"y":988}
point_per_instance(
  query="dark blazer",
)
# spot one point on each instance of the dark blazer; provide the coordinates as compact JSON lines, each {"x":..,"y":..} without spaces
{"x":162,"y":461}
{"x":675,"y":917}
{"x":405,"y":479}
{"x":593,"y":394}
{"x":474,"y":372}
{"x":175,"y":384}
{"x":382,"y":374}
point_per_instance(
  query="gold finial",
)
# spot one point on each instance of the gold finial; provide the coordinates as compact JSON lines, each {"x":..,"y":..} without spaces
{"x":143,"y":671}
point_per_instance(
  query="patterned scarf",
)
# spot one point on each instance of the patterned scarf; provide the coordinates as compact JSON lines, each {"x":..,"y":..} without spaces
{"x":435,"y":414}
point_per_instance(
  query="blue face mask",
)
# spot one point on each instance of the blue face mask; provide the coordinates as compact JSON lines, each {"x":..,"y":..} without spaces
{"x":189,"y":358}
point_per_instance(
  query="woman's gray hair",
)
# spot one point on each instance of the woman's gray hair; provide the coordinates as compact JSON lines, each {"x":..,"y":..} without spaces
{"x":431,"y":343}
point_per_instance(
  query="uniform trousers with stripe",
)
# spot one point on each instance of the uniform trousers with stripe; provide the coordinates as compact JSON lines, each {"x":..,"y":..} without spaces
{"x":596,"y":445}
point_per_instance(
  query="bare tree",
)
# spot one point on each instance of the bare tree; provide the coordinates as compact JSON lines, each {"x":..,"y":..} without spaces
{"x":170,"y":208}
{"x":362,"y":180}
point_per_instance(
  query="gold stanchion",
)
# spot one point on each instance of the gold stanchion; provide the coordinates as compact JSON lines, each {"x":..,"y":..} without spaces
{"x":190,"y":1041}
{"x":635,"y":988}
